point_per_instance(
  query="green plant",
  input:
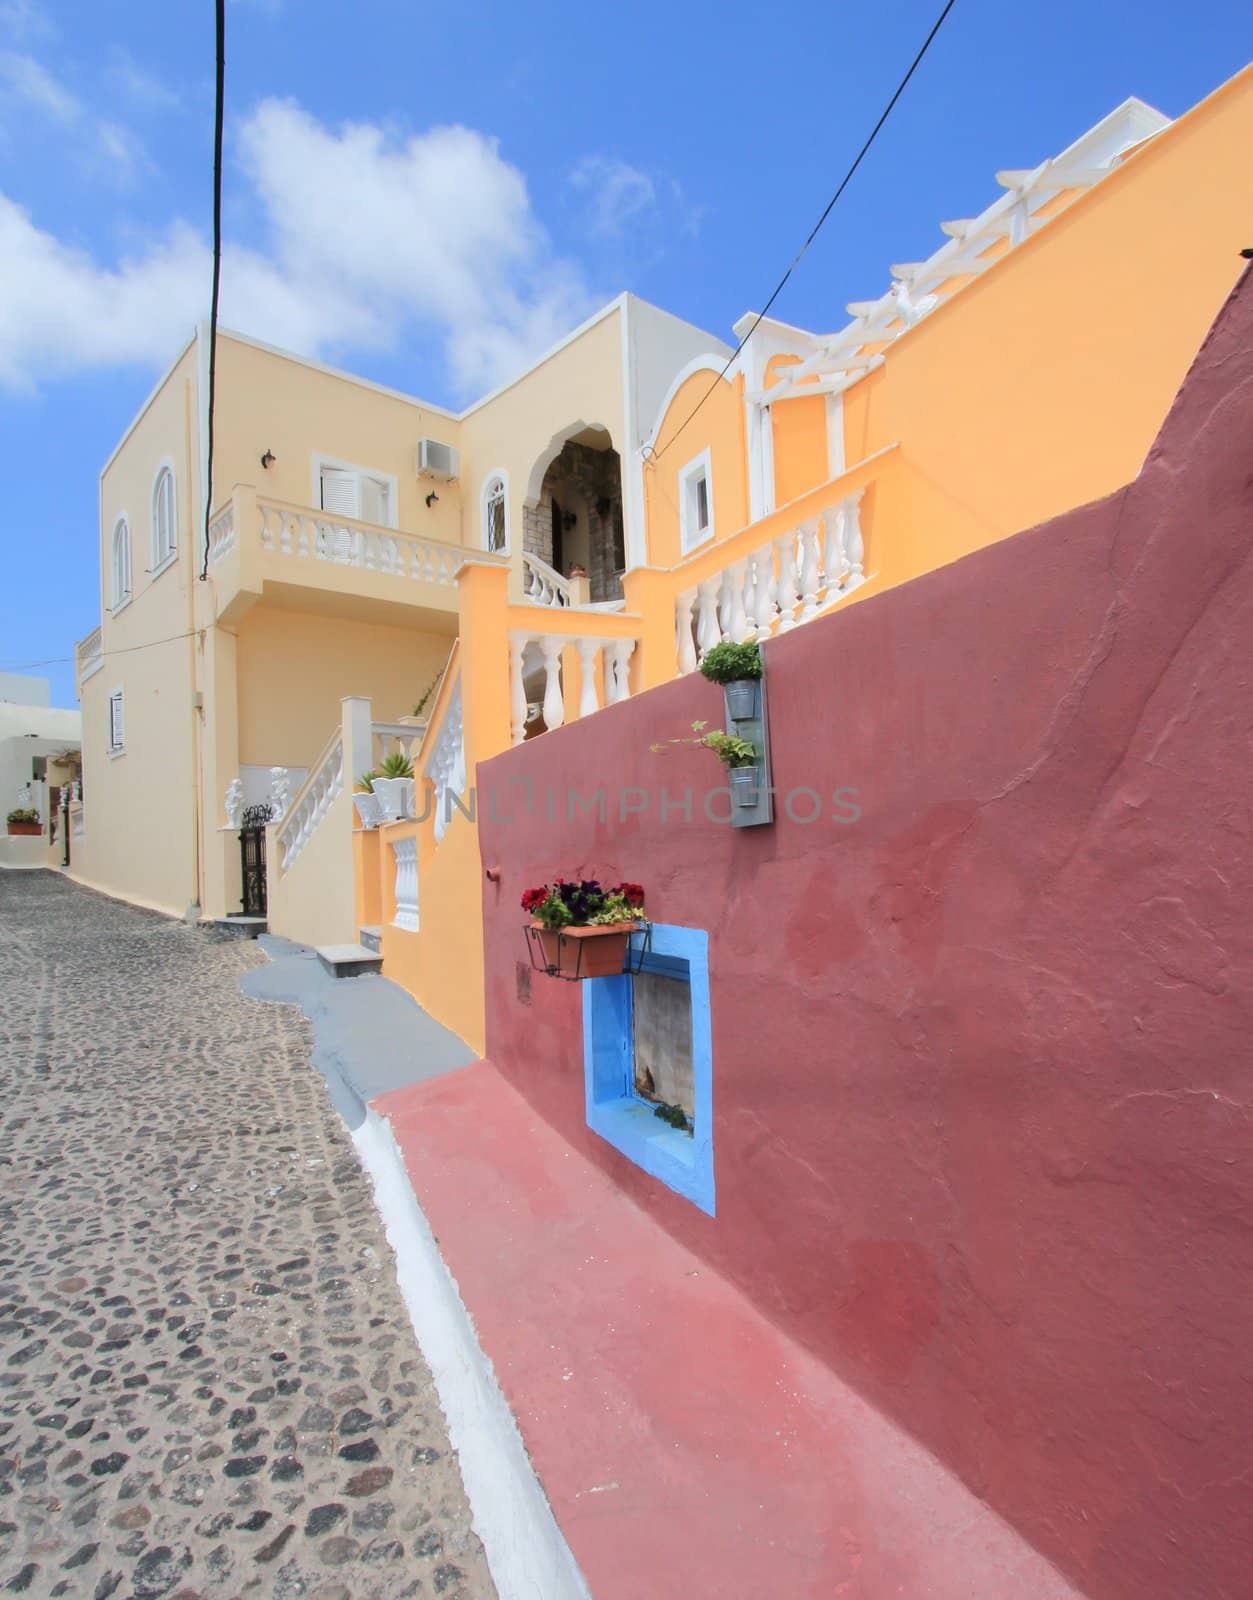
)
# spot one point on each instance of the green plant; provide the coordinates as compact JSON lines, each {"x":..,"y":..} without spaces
{"x":674,"y":1115}
{"x":365,"y":783}
{"x":22,"y":814}
{"x":430,"y":690}
{"x":731,"y":750}
{"x":729,"y":662}
{"x":396,"y":765}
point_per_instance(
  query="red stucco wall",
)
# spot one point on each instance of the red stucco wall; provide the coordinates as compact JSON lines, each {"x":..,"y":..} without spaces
{"x":982,"y":1059}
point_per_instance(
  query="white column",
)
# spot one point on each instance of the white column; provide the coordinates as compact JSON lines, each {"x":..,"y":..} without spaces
{"x":619,"y":687}
{"x":517,"y":690}
{"x":762,"y":568}
{"x":810,"y":568}
{"x":788,"y":595}
{"x":738,"y":626}
{"x":358,"y":735}
{"x":833,"y":550}
{"x":589,"y":699}
{"x":708,"y":632}
{"x":554,"y":705}
{"x":684,"y":646}
{"x":854,"y":548}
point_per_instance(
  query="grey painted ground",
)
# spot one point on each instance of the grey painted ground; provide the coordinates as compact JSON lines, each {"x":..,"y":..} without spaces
{"x":369,"y":1035}
{"x":208,"y":1383}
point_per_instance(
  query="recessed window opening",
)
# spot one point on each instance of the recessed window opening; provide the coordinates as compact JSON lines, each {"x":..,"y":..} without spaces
{"x":696,"y":523}
{"x":662,"y":1034}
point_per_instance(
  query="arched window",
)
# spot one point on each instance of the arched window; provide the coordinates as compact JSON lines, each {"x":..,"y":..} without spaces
{"x":164,"y":536}
{"x":121,"y":564}
{"x":496,"y":515}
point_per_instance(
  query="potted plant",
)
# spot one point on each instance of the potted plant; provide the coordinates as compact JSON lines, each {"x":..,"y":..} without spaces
{"x":581,"y":929}
{"x":369,"y":812}
{"x":739,"y":757}
{"x":24,"y":820}
{"x":392,"y":786}
{"x":738,"y":667}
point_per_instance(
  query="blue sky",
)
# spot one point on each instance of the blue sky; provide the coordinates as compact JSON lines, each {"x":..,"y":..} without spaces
{"x":429,"y":194}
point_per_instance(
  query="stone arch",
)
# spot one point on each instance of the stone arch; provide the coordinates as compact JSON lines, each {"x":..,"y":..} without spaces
{"x":572,"y":514}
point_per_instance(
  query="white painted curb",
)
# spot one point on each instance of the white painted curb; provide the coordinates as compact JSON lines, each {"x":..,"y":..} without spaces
{"x":526,"y":1550}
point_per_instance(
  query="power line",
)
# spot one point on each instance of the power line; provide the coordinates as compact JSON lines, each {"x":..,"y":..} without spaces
{"x":218,"y":117}
{"x":118,"y":650}
{"x":844,"y":183}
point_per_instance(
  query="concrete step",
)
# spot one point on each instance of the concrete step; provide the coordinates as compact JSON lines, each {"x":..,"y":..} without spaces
{"x":349,"y":960}
{"x":241,"y":926}
{"x":372,"y":938}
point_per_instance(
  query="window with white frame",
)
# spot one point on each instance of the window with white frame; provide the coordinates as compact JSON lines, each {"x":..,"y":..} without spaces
{"x":164,"y":538}
{"x":117,"y":725}
{"x":348,"y":491}
{"x":495,"y":515}
{"x":696,"y":503}
{"x":121,"y":564}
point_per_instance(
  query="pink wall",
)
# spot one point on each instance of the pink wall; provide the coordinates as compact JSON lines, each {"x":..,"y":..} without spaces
{"x":982,"y":1059}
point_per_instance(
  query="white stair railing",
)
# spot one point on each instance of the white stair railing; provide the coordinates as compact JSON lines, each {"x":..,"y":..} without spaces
{"x":592,"y":650}
{"x":790,"y":579}
{"x":445,"y":768}
{"x":392,"y":738}
{"x":222,"y":532}
{"x":324,"y":783}
{"x":544,"y":585}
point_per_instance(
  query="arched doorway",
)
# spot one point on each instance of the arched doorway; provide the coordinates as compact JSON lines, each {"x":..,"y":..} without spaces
{"x":575,"y":519}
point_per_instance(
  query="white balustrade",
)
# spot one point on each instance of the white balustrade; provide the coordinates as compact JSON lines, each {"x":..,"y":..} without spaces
{"x":544,"y":585}
{"x":406,"y":853}
{"x":790,"y":579}
{"x":222,"y":533}
{"x":89,"y":653}
{"x":311,"y":803}
{"x":394,"y":738}
{"x":445,"y":770}
{"x":599,"y":655}
{"x":316,"y":536}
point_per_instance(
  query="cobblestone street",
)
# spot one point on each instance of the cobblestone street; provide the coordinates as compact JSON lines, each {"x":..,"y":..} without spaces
{"x":208,"y":1381}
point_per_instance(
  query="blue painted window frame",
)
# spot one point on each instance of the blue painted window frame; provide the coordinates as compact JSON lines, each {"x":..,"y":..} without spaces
{"x":683,"y":1162}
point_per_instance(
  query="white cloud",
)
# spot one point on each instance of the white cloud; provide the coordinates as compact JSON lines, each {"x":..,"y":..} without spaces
{"x":100,"y":147}
{"x":27,"y":85}
{"x":137,"y":85}
{"x":368,"y":239}
{"x":618,"y":193}
{"x":23,"y":19}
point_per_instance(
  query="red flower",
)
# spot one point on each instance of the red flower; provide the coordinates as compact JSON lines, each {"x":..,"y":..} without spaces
{"x":534,"y":898}
{"x":632,"y":893}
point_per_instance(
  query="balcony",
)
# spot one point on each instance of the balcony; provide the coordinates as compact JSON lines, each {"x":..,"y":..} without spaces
{"x":88,"y":657}
{"x":311,"y":560}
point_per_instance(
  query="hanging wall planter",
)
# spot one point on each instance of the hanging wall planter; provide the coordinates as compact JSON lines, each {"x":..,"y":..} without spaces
{"x":580,"y":930}
{"x":737,"y":668}
{"x":393,"y":788}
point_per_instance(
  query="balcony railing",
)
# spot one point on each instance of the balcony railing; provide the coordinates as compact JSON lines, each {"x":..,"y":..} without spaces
{"x":89,"y":656}
{"x":255,"y":540}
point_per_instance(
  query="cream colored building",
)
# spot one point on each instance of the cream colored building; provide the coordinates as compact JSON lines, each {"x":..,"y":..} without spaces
{"x":342,"y":513}
{"x":34,"y":734}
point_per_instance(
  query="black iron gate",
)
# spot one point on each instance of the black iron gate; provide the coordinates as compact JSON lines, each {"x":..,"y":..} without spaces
{"x":252,"y":858}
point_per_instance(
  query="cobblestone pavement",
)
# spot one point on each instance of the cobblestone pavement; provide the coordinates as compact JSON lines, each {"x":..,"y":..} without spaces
{"x":208,"y":1382}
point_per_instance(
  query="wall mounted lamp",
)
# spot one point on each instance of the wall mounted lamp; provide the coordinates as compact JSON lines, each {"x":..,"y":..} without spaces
{"x":268,"y":459}
{"x":431,"y":499}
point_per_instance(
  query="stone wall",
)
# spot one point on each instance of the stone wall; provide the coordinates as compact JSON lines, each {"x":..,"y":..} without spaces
{"x":589,"y":483}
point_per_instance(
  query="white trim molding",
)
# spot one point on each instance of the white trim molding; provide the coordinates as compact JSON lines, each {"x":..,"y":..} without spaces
{"x":692,"y":533}
{"x":161,"y":560}
{"x":709,"y":362}
{"x":496,"y":484}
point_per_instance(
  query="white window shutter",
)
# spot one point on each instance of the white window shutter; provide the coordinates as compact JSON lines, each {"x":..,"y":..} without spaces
{"x":374,"y":502}
{"x":117,"y":729}
{"x":341,"y":492}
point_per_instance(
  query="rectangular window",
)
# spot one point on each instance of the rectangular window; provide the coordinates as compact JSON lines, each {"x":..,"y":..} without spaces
{"x":117,"y":731}
{"x":696,"y":522}
{"x":648,"y":1062}
{"x":347,"y":491}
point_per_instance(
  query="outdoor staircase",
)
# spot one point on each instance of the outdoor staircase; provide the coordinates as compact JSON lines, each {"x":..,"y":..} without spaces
{"x":349,"y":960}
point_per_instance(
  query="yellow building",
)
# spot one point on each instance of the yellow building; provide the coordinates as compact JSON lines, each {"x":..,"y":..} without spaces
{"x":357,"y":535}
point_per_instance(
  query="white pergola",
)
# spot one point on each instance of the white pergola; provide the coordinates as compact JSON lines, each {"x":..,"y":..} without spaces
{"x":842,"y":358}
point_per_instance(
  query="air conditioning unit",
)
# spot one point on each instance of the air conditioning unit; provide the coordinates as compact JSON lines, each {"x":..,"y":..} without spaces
{"x":436,"y":460}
